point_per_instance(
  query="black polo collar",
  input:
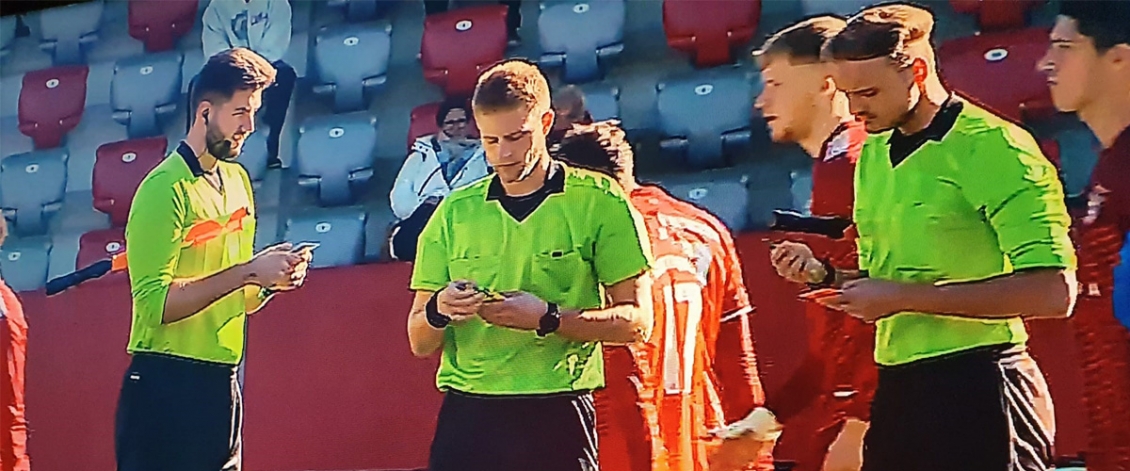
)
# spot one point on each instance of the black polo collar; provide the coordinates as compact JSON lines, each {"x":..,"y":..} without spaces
{"x":554,"y":183}
{"x":190,"y":159}
{"x":903,"y":145}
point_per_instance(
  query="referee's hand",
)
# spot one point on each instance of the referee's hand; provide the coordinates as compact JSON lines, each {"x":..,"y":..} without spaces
{"x":274,"y":267}
{"x":460,"y":300}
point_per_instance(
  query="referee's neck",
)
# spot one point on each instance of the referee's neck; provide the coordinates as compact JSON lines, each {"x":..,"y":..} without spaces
{"x":927,"y":107}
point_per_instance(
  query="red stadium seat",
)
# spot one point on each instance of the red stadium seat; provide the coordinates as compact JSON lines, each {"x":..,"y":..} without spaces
{"x":994,"y":15}
{"x":459,"y":44}
{"x":118,"y":170}
{"x":160,"y":23}
{"x":100,"y":245}
{"x":423,"y":122}
{"x":709,"y":30}
{"x":51,"y":103}
{"x":998,"y":70}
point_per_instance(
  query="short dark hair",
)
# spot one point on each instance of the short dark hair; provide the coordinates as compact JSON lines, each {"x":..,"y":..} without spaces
{"x":601,"y":147}
{"x":511,"y":84}
{"x":889,"y":30}
{"x":802,"y":42}
{"x":1106,"y":22}
{"x":230,"y":71}
{"x":451,"y":104}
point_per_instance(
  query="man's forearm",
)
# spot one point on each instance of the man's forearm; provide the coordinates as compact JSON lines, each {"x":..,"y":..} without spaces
{"x":422,"y":337}
{"x":624,"y":323}
{"x":188,"y":297}
{"x":1040,"y":293}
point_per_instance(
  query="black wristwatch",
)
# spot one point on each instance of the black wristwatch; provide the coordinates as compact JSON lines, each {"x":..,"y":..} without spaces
{"x":435,"y":318}
{"x":550,"y":322}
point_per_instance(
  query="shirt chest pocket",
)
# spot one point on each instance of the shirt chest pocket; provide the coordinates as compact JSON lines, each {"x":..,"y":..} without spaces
{"x":562,"y":276}
{"x":483,"y":270}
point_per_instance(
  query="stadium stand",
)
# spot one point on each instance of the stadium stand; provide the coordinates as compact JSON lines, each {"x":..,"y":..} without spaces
{"x":361,"y":10}
{"x":51,"y":103}
{"x":24,"y":261}
{"x":839,"y":7}
{"x":422,"y":121}
{"x":145,"y":92}
{"x":100,"y":245}
{"x":350,"y":60}
{"x":253,"y":157}
{"x":32,"y":186}
{"x":995,"y":15}
{"x":710,"y":30}
{"x":341,"y":231}
{"x":602,"y":100}
{"x":705,"y":115}
{"x":161,"y":23}
{"x":966,"y":62}
{"x":723,"y":193}
{"x":69,"y":32}
{"x":96,"y":128}
{"x":119,"y":169}
{"x":266,"y":228}
{"x":580,"y":36}
{"x":7,"y":34}
{"x":335,"y":155}
{"x":458,"y":44}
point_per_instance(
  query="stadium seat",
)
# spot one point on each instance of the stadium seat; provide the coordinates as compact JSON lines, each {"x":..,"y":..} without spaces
{"x":266,"y":228}
{"x":709,"y":30}
{"x":69,"y":31}
{"x":100,"y":245}
{"x":723,"y":193}
{"x":705,"y":116}
{"x":422,"y":122}
{"x":51,"y":103}
{"x":459,"y":44}
{"x":335,"y":153}
{"x":7,"y":34}
{"x":578,"y":35}
{"x":966,"y":62}
{"x":993,"y":15}
{"x":341,"y":231}
{"x":161,"y":23}
{"x":602,"y":101}
{"x":32,"y":186}
{"x":253,"y":157}
{"x":145,"y":92}
{"x":349,"y":60}
{"x":118,"y":170}
{"x":361,"y":10}
{"x":838,"y":7}
{"x":24,"y":262}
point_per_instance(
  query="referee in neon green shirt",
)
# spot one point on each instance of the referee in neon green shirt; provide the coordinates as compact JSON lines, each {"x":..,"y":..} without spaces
{"x":963,"y":234}
{"x":565,"y":250}
{"x":193,"y":280}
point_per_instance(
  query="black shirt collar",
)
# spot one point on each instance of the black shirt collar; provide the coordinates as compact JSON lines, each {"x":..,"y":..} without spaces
{"x":554,"y":183}
{"x":190,"y":159}
{"x":903,"y":145}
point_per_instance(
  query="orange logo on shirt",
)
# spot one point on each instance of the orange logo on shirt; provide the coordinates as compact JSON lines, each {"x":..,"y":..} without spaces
{"x":207,"y":230}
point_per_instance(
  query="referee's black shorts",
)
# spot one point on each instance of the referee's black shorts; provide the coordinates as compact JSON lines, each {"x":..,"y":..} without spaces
{"x":176,"y":414}
{"x":515,"y":433}
{"x":985,"y":409}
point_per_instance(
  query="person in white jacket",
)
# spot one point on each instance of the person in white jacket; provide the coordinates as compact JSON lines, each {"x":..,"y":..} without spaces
{"x":264,"y":27}
{"x":437,"y":164}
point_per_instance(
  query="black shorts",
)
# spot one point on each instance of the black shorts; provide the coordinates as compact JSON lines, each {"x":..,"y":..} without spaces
{"x":515,"y":433}
{"x":985,"y":409}
{"x":177,"y":414}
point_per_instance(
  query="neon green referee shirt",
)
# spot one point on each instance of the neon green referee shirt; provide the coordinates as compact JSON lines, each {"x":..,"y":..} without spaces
{"x":180,"y":227}
{"x":583,"y":236}
{"x":969,"y":198}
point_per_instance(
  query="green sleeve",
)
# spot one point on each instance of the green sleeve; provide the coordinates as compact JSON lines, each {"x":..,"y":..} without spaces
{"x":429,"y":271}
{"x":621,"y":249}
{"x":154,"y":235}
{"x":1017,"y":189}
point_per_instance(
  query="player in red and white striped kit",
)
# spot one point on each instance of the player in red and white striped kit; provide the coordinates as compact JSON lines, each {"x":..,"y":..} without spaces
{"x":801,"y":104}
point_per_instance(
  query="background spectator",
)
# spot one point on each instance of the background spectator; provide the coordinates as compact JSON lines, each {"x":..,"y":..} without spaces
{"x":513,"y":15}
{"x":569,"y":109}
{"x":264,"y":27}
{"x":438,"y":163}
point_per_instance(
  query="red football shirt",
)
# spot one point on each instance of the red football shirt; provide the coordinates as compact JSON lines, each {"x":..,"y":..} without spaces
{"x":13,"y":353}
{"x":1106,"y":224}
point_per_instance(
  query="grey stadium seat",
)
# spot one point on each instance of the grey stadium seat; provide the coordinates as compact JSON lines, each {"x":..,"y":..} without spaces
{"x":7,"y":33}
{"x":70,"y":31}
{"x":145,"y":92}
{"x":341,"y":231}
{"x":335,"y":153}
{"x":361,"y":10}
{"x":705,"y":116}
{"x":24,"y":262}
{"x":253,"y":157}
{"x":602,"y":101}
{"x":578,"y":35}
{"x":32,"y":186}
{"x":351,"y":59}
{"x":724,"y":193}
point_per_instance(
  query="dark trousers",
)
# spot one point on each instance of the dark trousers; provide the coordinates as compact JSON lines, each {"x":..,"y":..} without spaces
{"x":276,"y":101}
{"x":986,"y":409}
{"x":513,"y":14}
{"x":178,"y":415}
{"x":515,"y":433}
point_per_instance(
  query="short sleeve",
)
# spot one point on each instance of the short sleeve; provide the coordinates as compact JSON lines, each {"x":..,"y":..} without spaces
{"x":429,"y":271}
{"x":1018,"y":191}
{"x":620,"y":250}
{"x":154,"y":235}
